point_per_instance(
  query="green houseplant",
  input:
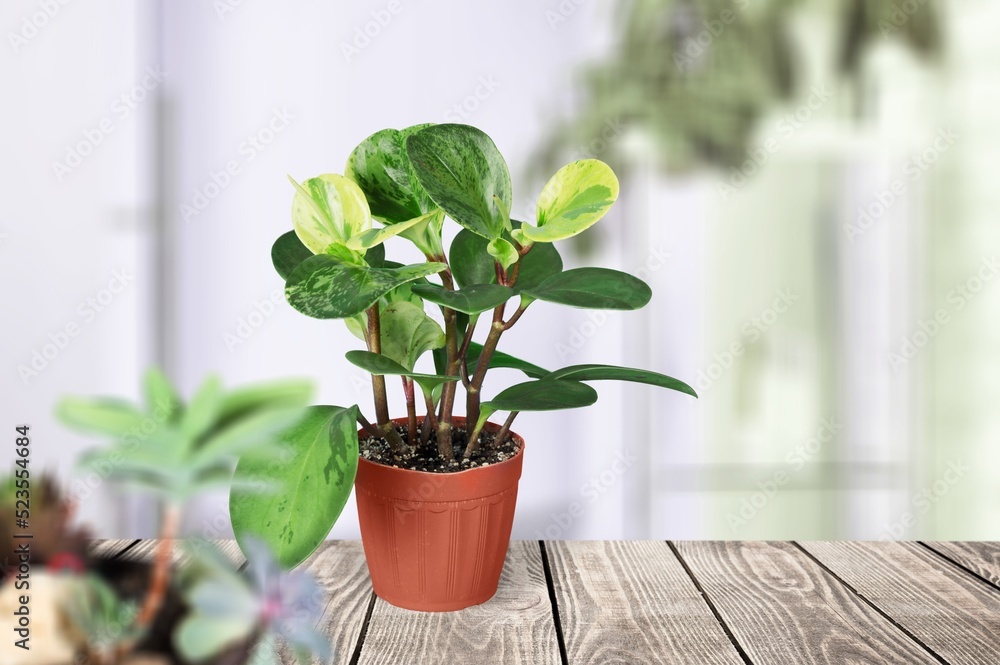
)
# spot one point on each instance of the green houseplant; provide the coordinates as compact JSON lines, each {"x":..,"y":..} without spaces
{"x":428,"y":482}
{"x":177,"y":450}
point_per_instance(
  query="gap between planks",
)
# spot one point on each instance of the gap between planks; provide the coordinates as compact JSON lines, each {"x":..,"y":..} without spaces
{"x":953,"y":612}
{"x":784,"y":608}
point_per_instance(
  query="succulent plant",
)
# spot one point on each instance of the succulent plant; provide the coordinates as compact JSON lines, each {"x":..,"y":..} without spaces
{"x":54,"y":538}
{"x":266,"y":606}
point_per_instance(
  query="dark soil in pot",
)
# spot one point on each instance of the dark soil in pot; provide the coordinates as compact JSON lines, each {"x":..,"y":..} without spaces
{"x":426,"y":456}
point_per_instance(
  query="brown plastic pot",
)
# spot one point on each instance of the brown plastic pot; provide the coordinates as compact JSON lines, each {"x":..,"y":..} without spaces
{"x":436,"y":542}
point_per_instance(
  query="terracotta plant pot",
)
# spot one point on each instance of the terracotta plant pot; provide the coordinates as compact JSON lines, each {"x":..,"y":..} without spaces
{"x":436,"y":542}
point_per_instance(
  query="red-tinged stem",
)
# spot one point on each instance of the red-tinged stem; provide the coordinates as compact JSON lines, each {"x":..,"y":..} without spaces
{"x":464,"y":350}
{"x":513,"y":319}
{"x":411,"y":411}
{"x":161,"y":569}
{"x":473,"y":396}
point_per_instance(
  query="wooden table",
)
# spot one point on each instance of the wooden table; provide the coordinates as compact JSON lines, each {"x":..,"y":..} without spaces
{"x":606,"y":602}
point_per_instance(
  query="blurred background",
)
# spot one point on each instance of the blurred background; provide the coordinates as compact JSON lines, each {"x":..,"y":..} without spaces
{"x":806,"y":187}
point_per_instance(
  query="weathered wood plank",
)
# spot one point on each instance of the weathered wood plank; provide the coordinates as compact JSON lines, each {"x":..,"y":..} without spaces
{"x":145,"y":550}
{"x":784,"y":608}
{"x":981,"y":558}
{"x":515,"y":627}
{"x":953,"y":613}
{"x":340,"y":568}
{"x":632,"y":602}
{"x":109,"y":549}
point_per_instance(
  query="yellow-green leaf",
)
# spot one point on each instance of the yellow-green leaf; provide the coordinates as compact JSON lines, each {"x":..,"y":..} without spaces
{"x":329,"y":209}
{"x":576,"y":197}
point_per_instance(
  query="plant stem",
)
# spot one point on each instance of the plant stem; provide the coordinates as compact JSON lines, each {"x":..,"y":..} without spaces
{"x":161,"y":569}
{"x":473,"y":396}
{"x":372,"y":431}
{"x":514,"y":317}
{"x":378,"y":385}
{"x":505,"y":430}
{"x":515,"y":270}
{"x":411,"y":411}
{"x":430,"y":421}
{"x":464,"y":350}
{"x":473,"y":445}
{"x":444,"y":427}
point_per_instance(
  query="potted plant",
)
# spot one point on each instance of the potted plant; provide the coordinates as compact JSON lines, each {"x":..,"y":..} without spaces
{"x":436,"y":493}
{"x":117,"y":612}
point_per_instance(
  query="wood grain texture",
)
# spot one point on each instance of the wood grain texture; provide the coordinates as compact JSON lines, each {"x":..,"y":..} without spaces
{"x":979,"y":557}
{"x":516,"y":627}
{"x":146,"y":549}
{"x":109,"y":549}
{"x":953,"y":613}
{"x":784,"y":608}
{"x":339,"y":567}
{"x":632,"y":602}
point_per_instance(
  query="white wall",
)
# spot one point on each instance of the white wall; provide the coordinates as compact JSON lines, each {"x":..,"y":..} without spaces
{"x":66,"y":233}
{"x":230,"y":71}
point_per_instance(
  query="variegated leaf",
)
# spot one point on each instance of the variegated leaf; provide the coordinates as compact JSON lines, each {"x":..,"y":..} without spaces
{"x":382,"y":169}
{"x":329,"y":209}
{"x":407,"y":332}
{"x":576,"y":197}
{"x":465,"y":175}
{"x":324,"y":288}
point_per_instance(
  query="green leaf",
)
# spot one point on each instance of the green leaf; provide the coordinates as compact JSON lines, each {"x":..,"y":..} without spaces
{"x":593,"y":288}
{"x":224,"y":594}
{"x":161,"y":398}
{"x":287,"y":252}
{"x":461,"y":169}
{"x":200,"y":637}
{"x":202,"y":409}
{"x":499,"y":360}
{"x":329,"y":209}
{"x":614,"y":373}
{"x":344,"y":254}
{"x":503,"y":252}
{"x":426,"y":235}
{"x":288,"y":393}
{"x":471,"y":262}
{"x":470,"y":300}
{"x":382,"y":169}
{"x":102,"y":415}
{"x":576,"y":197}
{"x":324,"y":288}
{"x":316,"y":477}
{"x":374,"y":237}
{"x":255,"y":431}
{"x":380,"y":365}
{"x":543,"y":395}
{"x":375,"y":257}
{"x":407,"y":332}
